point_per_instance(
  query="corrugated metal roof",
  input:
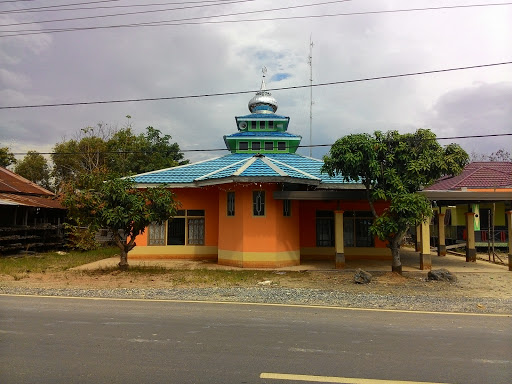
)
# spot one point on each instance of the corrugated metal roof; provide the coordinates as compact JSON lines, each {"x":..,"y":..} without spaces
{"x":29,"y":201}
{"x":285,"y":166}
{"x":12,"y":183}
{"x":271,"y":135}
{"x":264,"y":116}
{"x":478,"y":175}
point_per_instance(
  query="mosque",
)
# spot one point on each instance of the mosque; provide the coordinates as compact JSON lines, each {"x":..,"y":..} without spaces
{"x":262,"y":205}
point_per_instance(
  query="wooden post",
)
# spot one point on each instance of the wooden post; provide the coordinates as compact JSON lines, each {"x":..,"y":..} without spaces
{"x":338,"y":240}
{"x":470,"y":241}
{"x":425,"y":258}
{"x":509,"y":222}
{"x":441,"y":247}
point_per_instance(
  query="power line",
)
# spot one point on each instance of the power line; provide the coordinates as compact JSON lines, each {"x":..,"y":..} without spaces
{"x":252,"y":91}
{"x":226,"y":149}
{"x":153,"y":11}
{"x":51,"y":8}
{"x":180,"y":22}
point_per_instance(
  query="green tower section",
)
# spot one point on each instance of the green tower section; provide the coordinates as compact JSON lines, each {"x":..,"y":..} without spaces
{"x":262,"y":131}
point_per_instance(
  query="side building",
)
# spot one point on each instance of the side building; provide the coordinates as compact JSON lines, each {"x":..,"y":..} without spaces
{"x":261,"y":205}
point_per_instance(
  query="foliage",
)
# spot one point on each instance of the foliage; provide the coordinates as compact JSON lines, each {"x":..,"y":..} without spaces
{"x":6,"y":157}
{"x":499,"y":155}
{"x":34,"y":167}
{"x":118,"y":206}
{"x":107,"y":151}
{"x":393,"y":167}
{"x":80,"y":238}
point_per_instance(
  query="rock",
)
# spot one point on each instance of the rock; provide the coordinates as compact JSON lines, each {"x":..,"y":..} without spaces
{"x":266,"y":282}
{"x":441,"y":275}
{"x":362,"y":277}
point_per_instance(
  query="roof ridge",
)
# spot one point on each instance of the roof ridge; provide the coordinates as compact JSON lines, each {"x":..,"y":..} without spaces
{"x":297,"y":170}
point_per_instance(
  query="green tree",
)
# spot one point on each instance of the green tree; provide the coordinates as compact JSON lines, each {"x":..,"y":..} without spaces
{"x":6,"y":157}
{"x":34,"y":167}
{"x":393,"y":167}
{"x":118,"y":206}
{"x":148,"y":151}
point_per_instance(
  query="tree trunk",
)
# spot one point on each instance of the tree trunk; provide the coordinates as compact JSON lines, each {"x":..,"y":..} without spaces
{"x":123,"y":247}
{"x":396,"y":265}
{"x":123,"y":263}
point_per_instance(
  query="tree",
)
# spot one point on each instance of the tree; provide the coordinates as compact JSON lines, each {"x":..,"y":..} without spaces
{"x":149,"y":151}
{"x":34,"y":167}
{"x":499,"y":155}
{"x":118,"y":206}
{"x":6,"y":157}
{"x":393,"y":167}
{"x":110,"y":151}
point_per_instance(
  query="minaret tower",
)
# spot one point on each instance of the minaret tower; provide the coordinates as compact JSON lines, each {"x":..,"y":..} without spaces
{"x":262,"y":131}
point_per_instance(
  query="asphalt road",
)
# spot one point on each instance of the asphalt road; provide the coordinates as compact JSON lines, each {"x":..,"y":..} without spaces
{"x":62,"y":340}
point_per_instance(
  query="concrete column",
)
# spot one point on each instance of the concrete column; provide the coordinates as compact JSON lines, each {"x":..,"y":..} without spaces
{"x":470,"y":241}
{"x":441,"y":248}
{"x":425,"y":259}
{"x":338,"y":239}
{"x":418,"y":238}
{"x":509,"y":222}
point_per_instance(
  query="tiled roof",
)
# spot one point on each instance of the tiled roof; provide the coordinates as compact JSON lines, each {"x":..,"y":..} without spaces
{"x":272,"y":135}
{"x":262,"y":116}
{"x":29,"y":201}
{"x":478,"y":175}
{"x":286,"y":166}
{"x":13,"y":183}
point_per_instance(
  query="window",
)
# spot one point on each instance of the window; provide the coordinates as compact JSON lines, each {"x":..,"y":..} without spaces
{"x":252,"y":124}
{"x":324,"y":228}
{"x":269,"y":146}
{"x":281,"y":146}
{"x":186,"y":228}
{"x":231,"y":204}
{"x":287,"y":208}
{"x":243,"y":145}
{"x":262,"y":125}
{"x":258,"y":203}
{"x":270,"y":125}
{"x":356,"y":229}
{"x":255,"y":145}
{"x":156,"y":233}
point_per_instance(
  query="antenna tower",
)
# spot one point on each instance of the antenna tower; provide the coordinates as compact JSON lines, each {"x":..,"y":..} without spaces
{"x":310,"y":61}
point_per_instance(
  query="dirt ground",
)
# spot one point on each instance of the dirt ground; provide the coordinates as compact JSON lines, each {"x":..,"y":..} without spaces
{"x":469,"y":284}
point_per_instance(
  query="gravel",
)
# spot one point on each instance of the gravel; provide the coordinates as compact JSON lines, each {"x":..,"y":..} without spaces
{"x":291,"y":296}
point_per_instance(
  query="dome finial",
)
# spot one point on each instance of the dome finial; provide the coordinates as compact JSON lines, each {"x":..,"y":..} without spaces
{"x":263,"y":102}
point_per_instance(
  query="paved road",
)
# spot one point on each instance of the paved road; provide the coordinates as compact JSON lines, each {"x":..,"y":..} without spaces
{"x":61,"y":340}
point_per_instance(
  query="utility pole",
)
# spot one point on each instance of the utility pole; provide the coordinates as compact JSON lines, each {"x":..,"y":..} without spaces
{"x":310,"y":60}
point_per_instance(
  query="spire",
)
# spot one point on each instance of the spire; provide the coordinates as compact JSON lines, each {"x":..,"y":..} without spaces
{"x":263,"y":102}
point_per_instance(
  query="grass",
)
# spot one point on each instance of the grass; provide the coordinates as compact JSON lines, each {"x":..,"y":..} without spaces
{"x":20,"y":265}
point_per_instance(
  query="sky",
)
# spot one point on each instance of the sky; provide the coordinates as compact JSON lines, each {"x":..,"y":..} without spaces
{"x":209,"y":54}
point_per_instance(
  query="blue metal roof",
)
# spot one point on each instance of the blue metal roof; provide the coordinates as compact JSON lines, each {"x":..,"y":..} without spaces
{"x":287,"y":166}
{"x":269,"y":116}
{"x":271,"y":134}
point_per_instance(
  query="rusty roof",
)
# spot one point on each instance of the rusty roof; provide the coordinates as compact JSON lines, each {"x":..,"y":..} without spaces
{"x":29,"y":201}
{"x":476,"y":175}
{"x":10,"y":182}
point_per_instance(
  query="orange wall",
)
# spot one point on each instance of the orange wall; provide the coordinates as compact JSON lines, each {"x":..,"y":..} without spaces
{"x":245,"y":232}
{"x":206,"y":198}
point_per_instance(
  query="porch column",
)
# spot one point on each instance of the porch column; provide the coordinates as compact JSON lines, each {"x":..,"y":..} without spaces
{"x":509,"y":222}
{"x":418,"y":238}
{"x":425,"y":259}
{"x":338,"y":240}
{"x":470,"y":241}
{"x":441,"y":247}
